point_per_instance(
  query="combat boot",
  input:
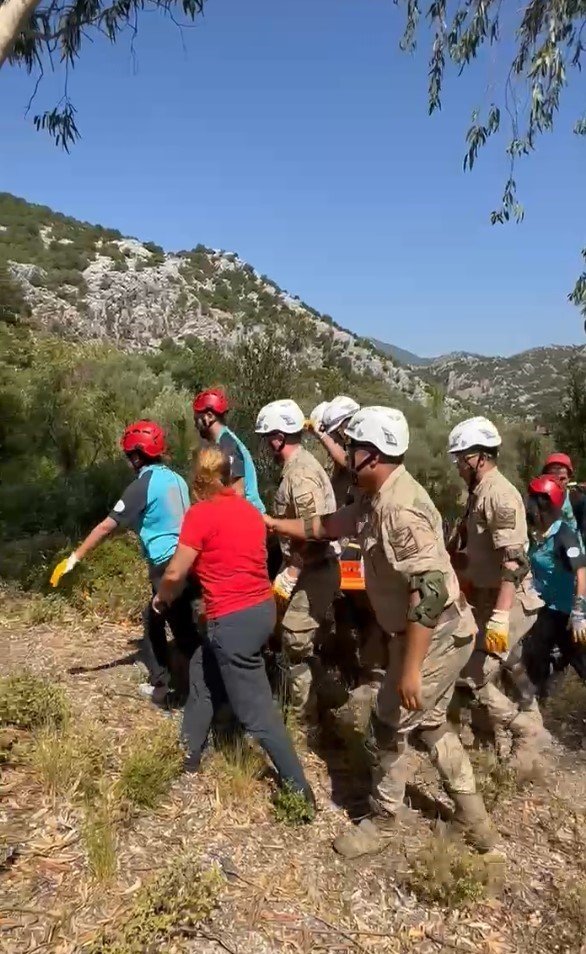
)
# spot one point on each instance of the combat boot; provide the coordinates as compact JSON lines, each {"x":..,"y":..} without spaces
{"x":530,"y":740}
{"x":471,"y":821}
{"x":373,"y":834}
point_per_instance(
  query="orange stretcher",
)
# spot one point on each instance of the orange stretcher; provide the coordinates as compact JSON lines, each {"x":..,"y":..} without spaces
{"x":351,"y":568}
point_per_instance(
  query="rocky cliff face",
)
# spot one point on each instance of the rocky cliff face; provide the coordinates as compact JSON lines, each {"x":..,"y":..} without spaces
{"x":92,"y":283}
{"x":527,"y":385}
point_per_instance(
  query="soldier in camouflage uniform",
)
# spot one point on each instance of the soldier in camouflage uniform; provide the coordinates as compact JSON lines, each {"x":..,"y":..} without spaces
{"x":493,"y":558}
{"x":416,"y":598}
{"x":310,"y":576}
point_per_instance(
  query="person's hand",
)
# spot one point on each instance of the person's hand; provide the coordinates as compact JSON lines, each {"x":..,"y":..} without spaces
{"x":410,"y":689}
{"x":65,"y":566}
{"x":496,"y":634}
{"x":578,"y":621}
{"x":158,"y":605}
{"x":269,"y":522}
{"x":283,"y":585}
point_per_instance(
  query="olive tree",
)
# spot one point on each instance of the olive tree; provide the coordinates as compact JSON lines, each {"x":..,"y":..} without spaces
{"x":535,"y":46}
{"x":35,"y":31}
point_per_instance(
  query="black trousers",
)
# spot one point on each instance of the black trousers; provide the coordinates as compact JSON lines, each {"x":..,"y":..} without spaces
{"x":179,"y":616}
{"x":228,"y":666}
{"x":549,"y":643}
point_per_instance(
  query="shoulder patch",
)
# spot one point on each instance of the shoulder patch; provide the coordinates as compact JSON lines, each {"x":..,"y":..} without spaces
{"x":505,"y":518}
{"x":305,"y":504}
{"x":573,"y":552}
{"x":403,"y":543}
{"x":118,"y":506}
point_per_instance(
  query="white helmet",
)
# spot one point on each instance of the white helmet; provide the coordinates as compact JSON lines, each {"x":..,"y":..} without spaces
{"x":284,"y":416}
{"x":337,"y":411}
{"x":474,"y":432}
{"x":317,"y":415}
{"x":384,"y":427}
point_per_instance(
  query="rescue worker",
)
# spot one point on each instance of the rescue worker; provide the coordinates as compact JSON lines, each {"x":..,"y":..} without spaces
{"x":494,"y":561}
{"x":560,"y":467}
{"x":310,"y":575}
{"x":353,"y":612}
{"x":558,"y":563}
{"x":153,"y":505}
{"x":334,"y":418}
{"x":209,"y":412}
{"x":414,"y":593}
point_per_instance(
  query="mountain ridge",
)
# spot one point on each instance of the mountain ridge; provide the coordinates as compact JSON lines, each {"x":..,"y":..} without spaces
{"x":92,"y":283}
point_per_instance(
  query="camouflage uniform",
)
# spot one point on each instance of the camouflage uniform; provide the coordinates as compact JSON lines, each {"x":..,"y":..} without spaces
{"x":400,"y":532}
{"x":496,"y":521}
{"x":305,"y":491}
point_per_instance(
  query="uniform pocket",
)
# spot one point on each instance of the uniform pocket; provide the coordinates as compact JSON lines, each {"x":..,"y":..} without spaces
{"x":528,"y":596}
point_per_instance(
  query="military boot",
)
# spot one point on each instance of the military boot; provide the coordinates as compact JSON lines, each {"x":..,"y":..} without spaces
{"x":530,"y":740}
{"x":471,"y":821}
{"x":373,"y":834}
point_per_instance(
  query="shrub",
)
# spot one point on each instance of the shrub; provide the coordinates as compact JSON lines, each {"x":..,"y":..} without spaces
{"x":445,"y":873}
{"x":111,"y":581}
{"x":28,"y":701}
{"x":153,"y":760}
{"x":291,"y":807}
{"x":184,"y":895}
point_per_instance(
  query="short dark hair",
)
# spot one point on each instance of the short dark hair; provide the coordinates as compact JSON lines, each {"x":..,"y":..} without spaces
{"x":491,"y":452}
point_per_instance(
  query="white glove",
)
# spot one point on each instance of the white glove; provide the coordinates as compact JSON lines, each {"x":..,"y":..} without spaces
{"x":65,"y":566}
{"x":578,"y":620}
{"x":284,"y":584}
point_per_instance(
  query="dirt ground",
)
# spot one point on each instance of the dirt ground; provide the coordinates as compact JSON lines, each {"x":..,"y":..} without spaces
{"x":283,"y":888}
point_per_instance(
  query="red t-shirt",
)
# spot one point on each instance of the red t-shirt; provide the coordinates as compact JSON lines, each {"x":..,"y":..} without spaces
{"x":230,"y":537}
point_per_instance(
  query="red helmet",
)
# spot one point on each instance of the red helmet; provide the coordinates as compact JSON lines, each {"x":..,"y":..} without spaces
{"x":212,"y":400}
{"x":547,"y":487}
{"x":145,"y":436}
{"x":562,"y":460}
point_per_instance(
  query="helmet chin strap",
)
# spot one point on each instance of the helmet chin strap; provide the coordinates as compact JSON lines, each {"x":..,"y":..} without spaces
{"x":474,"y":476}
{"x":354,"y":470}
{"x":282,"y":442}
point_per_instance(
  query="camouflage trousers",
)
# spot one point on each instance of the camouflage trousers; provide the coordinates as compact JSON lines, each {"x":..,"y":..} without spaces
{"x":483,"y":671}
{"x":394,"y":760}
{"x":307,"y":609}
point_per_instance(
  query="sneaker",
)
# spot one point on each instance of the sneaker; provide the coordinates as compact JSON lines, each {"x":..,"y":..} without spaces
{"x":157,"y":694}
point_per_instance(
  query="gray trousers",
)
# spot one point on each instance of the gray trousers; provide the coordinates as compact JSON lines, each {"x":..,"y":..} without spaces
{"x":229,"y":667}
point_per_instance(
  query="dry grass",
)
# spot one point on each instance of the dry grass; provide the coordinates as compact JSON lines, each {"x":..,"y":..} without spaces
{"x":151,"y":762}
{"x":570,"y":914}
{"x":176,"y":902}
{"x":443,"y":872}
{"x":99,"y":837}
{"x":496,"y":780}
{"x":236,"y":766}
{"x":28,"y":701}
{"x":71,"y":760}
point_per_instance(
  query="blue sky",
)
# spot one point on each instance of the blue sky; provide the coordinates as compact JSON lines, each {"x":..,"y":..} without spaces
{"x":297,"y":135}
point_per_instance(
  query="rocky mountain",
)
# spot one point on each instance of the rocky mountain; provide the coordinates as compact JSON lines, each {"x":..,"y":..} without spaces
{"x":400,"y":354}
{"x":92,"y":283}
{"x":525,"y":385}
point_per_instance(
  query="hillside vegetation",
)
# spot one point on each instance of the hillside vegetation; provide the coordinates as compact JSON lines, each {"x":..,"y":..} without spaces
{"x":525,"y":385}
{"x":91,"y":283}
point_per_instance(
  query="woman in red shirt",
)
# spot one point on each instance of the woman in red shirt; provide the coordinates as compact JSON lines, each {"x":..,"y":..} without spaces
{"x":223,"y":540}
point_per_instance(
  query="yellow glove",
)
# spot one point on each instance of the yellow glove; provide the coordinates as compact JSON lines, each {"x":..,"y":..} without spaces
{"x":65,"y":566}
{"x":496,"y":634}
{"x":283,"y":585}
